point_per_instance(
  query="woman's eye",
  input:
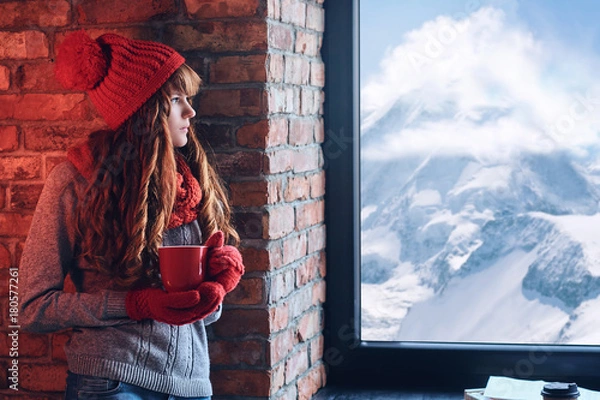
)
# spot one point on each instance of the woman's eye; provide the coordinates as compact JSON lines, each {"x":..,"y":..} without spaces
{"x":174,"y":100}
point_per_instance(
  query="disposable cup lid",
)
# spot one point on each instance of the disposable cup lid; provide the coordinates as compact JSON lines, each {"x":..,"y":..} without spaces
{"x":560,"y":390}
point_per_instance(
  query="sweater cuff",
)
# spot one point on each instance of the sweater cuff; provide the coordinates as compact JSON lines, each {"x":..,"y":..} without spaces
{"x":115,"y":304}
{"x":210,"y":318}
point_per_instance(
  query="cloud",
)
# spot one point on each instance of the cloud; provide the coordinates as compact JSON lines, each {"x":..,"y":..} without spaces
{"x":484,"y":85}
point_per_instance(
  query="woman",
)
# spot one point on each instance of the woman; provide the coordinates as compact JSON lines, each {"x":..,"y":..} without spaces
{"x":102,"y":216}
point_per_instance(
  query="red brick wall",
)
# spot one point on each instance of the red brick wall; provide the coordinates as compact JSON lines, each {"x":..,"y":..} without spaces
{"x":261,"y":112}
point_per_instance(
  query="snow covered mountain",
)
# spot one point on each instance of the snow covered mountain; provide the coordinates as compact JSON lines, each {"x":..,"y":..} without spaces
{"x":480,"y":183}
{"x":464,"y":248}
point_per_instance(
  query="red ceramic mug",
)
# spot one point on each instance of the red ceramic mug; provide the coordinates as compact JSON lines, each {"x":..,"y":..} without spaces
{"x":182,"y":267}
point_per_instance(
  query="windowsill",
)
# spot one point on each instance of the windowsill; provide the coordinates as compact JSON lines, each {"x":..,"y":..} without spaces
{"x":340,"y":393}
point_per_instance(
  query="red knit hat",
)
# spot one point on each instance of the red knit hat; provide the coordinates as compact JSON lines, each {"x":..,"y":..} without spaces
{"x":119,"y":74}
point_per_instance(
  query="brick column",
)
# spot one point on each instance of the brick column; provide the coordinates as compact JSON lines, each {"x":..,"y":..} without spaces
{"x":269,"y":343}
{"x":261,"y":113}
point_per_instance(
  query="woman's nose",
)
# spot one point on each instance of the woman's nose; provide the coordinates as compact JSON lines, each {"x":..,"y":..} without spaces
{"x":189,"y":111}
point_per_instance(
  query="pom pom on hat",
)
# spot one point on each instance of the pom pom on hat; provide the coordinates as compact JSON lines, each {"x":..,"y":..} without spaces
{"x":119,"y":74}
{"x":81,"y":63}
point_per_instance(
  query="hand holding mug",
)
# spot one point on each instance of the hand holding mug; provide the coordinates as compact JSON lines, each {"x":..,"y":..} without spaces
{"x":224,"y":264}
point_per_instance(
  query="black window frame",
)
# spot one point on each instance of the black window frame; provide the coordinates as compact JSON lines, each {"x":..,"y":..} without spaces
{"x":350,"y":361}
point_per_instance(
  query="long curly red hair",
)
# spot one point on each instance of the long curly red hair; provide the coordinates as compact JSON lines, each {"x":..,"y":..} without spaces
{"x":123,"y":213}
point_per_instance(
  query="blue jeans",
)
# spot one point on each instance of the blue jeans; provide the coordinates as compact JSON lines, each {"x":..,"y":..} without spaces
{"x":80,"y":387}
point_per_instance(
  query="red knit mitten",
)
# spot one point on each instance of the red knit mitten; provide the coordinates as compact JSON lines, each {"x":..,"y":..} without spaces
{"x":211,"y":295}
{"x":225,"y":264}
{"x":177,"y":308}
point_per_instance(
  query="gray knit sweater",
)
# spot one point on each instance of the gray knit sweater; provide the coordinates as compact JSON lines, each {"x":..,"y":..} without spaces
{"x":105,"y":342}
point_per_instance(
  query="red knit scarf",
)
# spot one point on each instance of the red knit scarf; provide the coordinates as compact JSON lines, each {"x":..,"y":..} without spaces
{"x":185,"y":209}
{"x":188,"y":195}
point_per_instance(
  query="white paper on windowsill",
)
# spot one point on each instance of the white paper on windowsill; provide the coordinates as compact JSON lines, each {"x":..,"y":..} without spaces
{"x":499,"y":387}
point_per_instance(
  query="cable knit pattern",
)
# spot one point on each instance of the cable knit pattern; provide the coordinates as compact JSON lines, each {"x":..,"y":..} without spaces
{"x":136,"y":70}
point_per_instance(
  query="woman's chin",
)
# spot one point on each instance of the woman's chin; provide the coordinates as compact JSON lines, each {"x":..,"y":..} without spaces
{"x":180,"y":143}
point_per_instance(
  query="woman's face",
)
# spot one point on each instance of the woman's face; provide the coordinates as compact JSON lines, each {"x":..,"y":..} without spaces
{"x":179,"y":118}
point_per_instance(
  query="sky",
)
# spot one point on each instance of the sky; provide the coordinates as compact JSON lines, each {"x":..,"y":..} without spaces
{"x":382,"y":22}
{"x":502,"y":75}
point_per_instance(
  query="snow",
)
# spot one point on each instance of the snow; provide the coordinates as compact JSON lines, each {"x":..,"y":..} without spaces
{"x":466,"y":259}
{"x":474,"y":177}
{"x":584,"y":229}
{"x":584,"y":325}
{"x":426,"y":198}
{"x":457,"y":260}
{"x":384,"y":306}
{"x":366,"y":211}
{"x":488,"y":306}
{"x":380,"y":241}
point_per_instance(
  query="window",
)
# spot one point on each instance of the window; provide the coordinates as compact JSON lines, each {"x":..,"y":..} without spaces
{"x":497,"y":209}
